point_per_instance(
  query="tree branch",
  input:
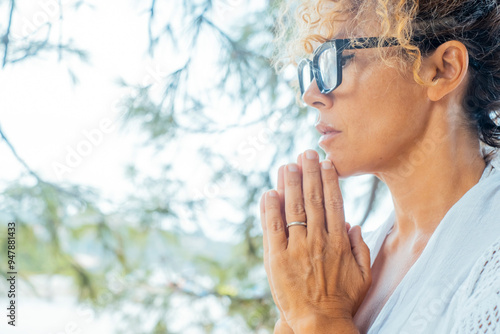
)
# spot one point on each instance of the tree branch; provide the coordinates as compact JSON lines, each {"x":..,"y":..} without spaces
{"x":152,"y":40}
{"x":60,"y":46}
{"x":30,"y":171}
{"x":5,"y":39}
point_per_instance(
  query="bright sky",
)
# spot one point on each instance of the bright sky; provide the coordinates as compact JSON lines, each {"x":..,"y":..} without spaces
{"x":45,"y":116}
{"x":48,"y":120}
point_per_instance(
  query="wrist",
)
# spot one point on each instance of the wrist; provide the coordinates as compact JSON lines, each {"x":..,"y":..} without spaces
{"x":325,"y":325}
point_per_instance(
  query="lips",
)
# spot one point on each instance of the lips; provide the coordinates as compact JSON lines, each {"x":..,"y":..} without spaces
{"x":328,"y":133}
{"x":325,"y":129}
{"x":326,"y":138}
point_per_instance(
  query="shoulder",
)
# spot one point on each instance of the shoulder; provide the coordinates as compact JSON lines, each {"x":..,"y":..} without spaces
{"x":484,"y":278}
{"x":480,"y":297}
{"x":487,"y":269}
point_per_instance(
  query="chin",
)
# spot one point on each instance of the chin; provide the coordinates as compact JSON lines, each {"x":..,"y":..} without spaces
{"x":343,"y":171}
{"x":345,"y":168}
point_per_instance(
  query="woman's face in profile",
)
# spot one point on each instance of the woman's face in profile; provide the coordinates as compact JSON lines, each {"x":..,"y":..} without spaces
{"x":380,"y":111}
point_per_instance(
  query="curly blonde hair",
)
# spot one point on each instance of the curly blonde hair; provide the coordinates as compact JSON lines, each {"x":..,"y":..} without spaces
{"x":475,"y":23}
{"x":302,"y":23}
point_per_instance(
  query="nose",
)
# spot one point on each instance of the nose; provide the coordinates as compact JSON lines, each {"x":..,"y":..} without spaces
{"x":313,"y":97}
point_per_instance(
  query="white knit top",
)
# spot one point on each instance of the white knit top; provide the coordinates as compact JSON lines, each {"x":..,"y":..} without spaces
{"x":454,"y":286}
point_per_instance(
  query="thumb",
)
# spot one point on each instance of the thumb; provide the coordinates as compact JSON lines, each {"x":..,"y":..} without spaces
{"x":360,"y":251}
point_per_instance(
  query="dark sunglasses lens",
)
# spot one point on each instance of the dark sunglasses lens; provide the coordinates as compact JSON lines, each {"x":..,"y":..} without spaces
{"x":327,"y":63}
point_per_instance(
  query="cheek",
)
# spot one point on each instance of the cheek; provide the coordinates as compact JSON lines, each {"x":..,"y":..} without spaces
{"x":386,"y":115}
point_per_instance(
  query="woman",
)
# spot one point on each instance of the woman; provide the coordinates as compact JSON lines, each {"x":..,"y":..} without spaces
{"x":408,"y":91}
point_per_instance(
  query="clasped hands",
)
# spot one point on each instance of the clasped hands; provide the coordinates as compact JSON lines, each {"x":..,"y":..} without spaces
{"x":319,"y":274}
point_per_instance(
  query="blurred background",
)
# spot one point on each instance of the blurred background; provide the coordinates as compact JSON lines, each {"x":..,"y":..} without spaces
{"x":137,"y":138}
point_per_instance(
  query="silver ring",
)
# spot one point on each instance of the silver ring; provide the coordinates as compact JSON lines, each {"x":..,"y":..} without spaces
{"x":296,"y":223}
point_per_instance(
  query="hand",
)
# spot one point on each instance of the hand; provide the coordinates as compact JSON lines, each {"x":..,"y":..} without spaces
{"x":322,"y":270}
{"x":281,"y":325}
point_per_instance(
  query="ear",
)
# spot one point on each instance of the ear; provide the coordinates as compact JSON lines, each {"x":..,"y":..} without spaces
{"x":447,"y":68}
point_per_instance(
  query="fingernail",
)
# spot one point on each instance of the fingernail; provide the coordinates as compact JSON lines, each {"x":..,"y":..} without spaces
{"x":311,"y":154}
{"x":293,"y":168}
{"x":273,"y":193}
{"x":327,"y":164}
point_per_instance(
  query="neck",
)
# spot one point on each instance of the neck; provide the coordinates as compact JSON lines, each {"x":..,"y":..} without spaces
{"x":428,"y":179}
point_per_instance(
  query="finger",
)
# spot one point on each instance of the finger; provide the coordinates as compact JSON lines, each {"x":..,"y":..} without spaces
{"x":281,"y":193}
{"x":294,"y":204}
{"x":276,"y":236}
{"x":334,"y":204}
{"x":313,"y":194}
{"x":299,"y":162}
{"x":348,"y":227}
{"x":264,"y":226}
{"x":360,"y":251}
{"x":265,"y":244}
